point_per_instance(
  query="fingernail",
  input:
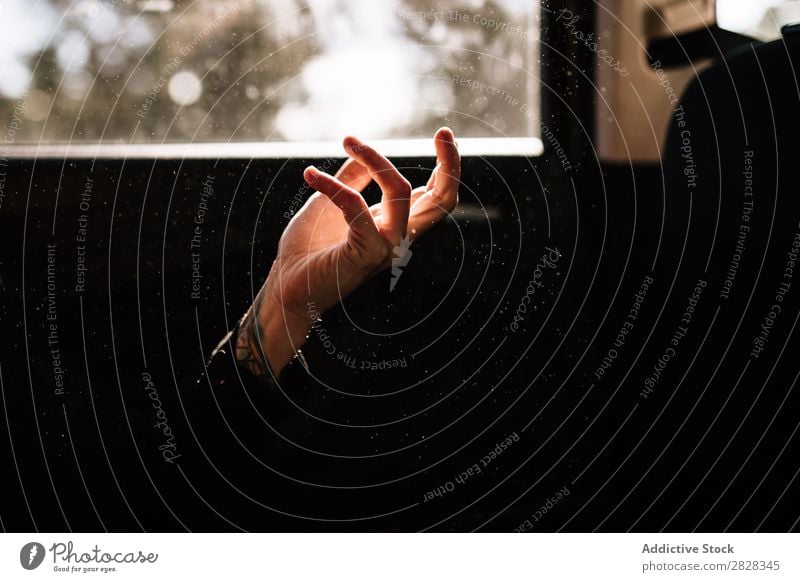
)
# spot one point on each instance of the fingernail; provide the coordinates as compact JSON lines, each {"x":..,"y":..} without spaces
{"x":310,"y":173}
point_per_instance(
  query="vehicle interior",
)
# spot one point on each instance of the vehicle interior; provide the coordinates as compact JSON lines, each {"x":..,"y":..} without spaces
{"x":600,"y":337}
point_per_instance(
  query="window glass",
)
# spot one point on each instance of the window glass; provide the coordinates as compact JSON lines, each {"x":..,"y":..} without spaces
{"x":152,"y":71}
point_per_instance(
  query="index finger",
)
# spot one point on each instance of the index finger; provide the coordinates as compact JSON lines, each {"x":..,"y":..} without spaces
{"x":396,"y":199}
{"x":354,"y":175}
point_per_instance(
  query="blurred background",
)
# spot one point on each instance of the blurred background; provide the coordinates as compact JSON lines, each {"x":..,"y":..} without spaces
{"x":251,"y":70}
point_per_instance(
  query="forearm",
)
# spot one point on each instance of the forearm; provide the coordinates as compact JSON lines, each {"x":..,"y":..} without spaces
{"x":269,"y":336}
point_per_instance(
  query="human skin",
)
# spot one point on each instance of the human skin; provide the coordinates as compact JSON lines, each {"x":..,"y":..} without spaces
{"x":336,"y":242}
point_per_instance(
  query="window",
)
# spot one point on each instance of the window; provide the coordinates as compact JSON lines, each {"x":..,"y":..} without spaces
{"x":762,"y":19}
{"x":154,"y":71}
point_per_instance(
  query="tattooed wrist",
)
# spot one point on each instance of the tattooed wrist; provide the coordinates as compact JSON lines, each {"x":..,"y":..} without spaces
{"x":250,"y":352}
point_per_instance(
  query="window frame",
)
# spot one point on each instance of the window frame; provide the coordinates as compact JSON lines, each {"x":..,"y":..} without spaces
{"x":531,"y":146}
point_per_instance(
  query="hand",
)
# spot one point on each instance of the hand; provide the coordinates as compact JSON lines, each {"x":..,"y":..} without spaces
{"x":336,"y":242}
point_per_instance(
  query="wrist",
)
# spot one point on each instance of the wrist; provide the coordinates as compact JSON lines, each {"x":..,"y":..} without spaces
{"x":269,"y":336}
{"x":282,"y":331}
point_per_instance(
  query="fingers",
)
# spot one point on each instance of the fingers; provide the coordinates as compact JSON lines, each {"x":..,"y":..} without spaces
{"x":352,"y":204}
{"x":424,"y":214}
{"x":440,"y":196}
{"x":448,"y":172}
{"x":417,"y":193}
{"x":396,"y":189}
{"x":354,"y":175}
{"x":432,"y":180}
{"x":351,"y":174}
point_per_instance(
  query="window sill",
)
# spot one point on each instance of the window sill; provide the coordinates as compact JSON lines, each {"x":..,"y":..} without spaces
{"x":398,"y":148}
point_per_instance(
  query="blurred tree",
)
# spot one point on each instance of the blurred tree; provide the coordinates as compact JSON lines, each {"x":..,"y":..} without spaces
{"x":205,"y":70}
{"x":479,"y":42}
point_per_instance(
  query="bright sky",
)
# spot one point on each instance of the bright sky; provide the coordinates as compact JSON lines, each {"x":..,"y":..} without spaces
{"x":367,"y":70}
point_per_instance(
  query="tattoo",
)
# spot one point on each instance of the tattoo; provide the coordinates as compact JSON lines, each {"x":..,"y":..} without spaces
{"x":250,"y":341}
